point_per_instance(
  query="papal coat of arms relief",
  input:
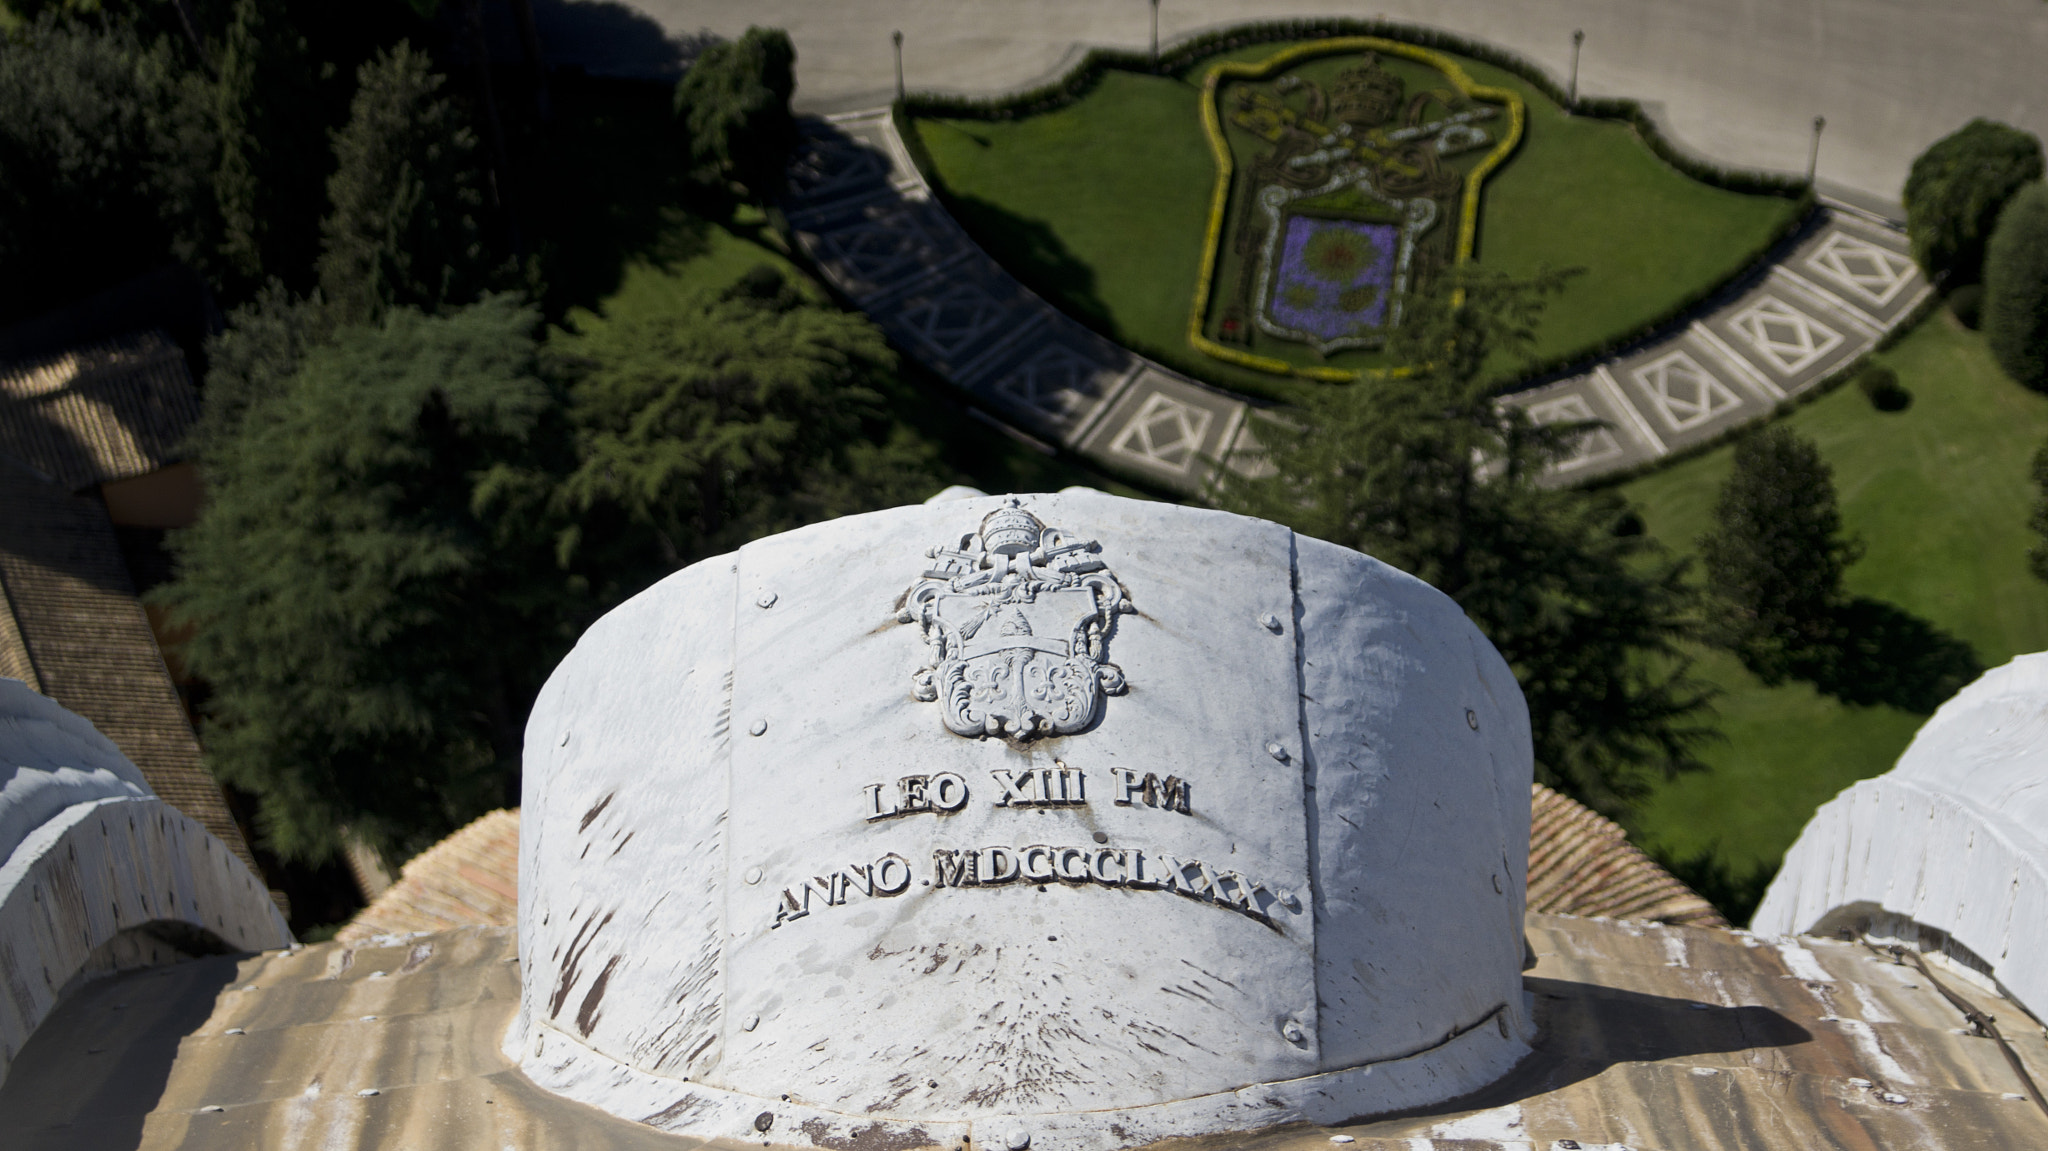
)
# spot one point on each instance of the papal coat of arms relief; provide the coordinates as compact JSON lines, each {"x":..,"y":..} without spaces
{"x":1017,"y":619}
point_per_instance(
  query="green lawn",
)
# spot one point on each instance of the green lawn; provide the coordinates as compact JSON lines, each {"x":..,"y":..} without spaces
{"x":1940,"y":496}
{"x":1101,"y":206}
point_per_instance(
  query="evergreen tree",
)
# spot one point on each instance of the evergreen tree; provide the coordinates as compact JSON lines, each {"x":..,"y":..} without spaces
{"x":1776,"y":555}
{"x":272,"y":139}
{"x":1955,"y":191}
{"x":371,"y":584}
{"x":1428,"y":472}
{"x":405,"y":194}
{"x":105,"y":151}
{"x":2016,"y":288}
{"x":734,"y":107}
{"x":755,"y":413}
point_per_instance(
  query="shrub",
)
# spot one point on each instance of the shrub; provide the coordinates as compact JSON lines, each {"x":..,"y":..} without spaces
{"x":1955,"y":191}
{"x":2016,"y":288}
{"x":733,"y":105}
{"x":1880,"y":385}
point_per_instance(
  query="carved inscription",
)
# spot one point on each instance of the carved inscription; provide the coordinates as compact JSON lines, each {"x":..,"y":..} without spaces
{"x":887,"y":876}
{"x":942,"y":792}
{"x":1017,"y":620}
{"x":1170,"y":793}
{"x":1046,"y":787}
{"x":1107,"y":866}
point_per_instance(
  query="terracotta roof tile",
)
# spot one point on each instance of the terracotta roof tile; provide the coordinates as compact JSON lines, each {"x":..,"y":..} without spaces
{"x":106,"y":411}
{"x":470,"y":878}
{"x":1583,"y":864}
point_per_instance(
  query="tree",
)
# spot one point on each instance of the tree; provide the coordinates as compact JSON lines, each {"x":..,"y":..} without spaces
{"x":748,"y":414}
{"x":2016,"y":288}
{"x":734,"y":107}
{"x":105,"y":153}
{"x":1954,"y":193}
{"x":1427,"y":471}
{"x":1776,"y":554}
{"x":371,"y":585}
{"x":405,"y":194}
{"x":272,"y":154}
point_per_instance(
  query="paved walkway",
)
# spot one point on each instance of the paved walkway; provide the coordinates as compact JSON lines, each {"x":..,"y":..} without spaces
{"x":864,"y":214}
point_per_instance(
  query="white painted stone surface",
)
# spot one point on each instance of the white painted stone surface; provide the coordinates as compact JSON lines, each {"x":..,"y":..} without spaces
{"x":1952,"y":837}
{"x":98,"y":873}
{"x":723,"y":924}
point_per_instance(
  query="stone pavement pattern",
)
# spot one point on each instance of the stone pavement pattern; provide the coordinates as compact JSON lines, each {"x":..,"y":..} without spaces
{"x":1738,"y":81}
{"x":864,"y":214}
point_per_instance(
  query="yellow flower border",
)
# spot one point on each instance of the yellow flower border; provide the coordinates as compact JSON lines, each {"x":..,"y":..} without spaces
{"x":1219,"y":200}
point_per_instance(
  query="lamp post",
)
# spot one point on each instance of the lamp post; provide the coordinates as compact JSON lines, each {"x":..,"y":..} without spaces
{"x":1155,"y":35}
{"x":1813,"y":158}
{"x":897,"y":37}
{"x":1578,"y":38}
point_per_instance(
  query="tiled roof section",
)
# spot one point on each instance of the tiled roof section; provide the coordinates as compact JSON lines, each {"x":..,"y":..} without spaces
{"x":106,"y":411}
{"x":1583,"y":864}
{"x":469,"y":878}
{"x":87,"y":644}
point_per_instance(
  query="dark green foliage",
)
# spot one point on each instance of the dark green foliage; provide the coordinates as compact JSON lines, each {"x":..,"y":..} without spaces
{"x":273,"y":147}
{"x":1967,"y":305}
{"x":1776,"y":554}
{"x":2016,"y":288}
{"x":2037,"y":558}
{"x":371,"y":585}
{"x":106,"y":150}
{"x":1955,"y":191}
{"x":754,"y":414}
{"x":255,"y":360}
{"x":733,"y":105}
{"x":406,"y":195}
{"x":1587,"y":614}
{"x":1880,"y":385}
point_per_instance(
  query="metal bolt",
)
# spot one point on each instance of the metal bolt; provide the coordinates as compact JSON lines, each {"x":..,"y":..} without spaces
{"x":1272,"y":622}
{"x":1290,"y":901}
{"x":767,"y":599}
{"x":1292,"y":1032}
{"x":1102,"y":837}
{"x":1018,"y":1140}
{"x":213,"y":1107}
{"x":757,"y":727}
{"x":235,"y":1031}
{"x":565,"y":740}
{"x":753,"y":875}
{"x":1471,"y":719}
{"x":1342,"y":1139}
{"x":764,"y":1121}
{"x":1277,"y":752}
{"x":752,"y":1022}
{"x":366,"y":1092}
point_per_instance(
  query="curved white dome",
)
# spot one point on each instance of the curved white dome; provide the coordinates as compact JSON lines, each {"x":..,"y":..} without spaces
{"x":1074,"y":818}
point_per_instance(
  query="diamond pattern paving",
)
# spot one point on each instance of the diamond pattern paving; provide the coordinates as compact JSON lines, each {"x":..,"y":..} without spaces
{"x":1684,"y":393}
{"x":1165,"y":432}
{"x":1595,"y":445}
{"x":1870,"y":273}
{"x":953,"y":318}
{"x":1788,"y":339}
{"x":1056,"y":380}
{"x":827,"y":170}
{"x":892,"y":244}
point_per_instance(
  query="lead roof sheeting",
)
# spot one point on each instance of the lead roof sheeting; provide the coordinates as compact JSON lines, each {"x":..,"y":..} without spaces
{"x":106,"y":411}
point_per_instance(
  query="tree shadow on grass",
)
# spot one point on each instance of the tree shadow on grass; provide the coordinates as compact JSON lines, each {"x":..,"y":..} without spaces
{"x":1031,"y":251}
{"x":1883,"y":654}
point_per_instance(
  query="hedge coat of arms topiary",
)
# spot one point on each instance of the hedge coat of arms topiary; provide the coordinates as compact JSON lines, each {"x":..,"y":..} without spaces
{"x":2016,"y":288}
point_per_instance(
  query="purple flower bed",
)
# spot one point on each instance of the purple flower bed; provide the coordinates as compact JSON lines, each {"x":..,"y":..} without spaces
{"x":1333,"y":276}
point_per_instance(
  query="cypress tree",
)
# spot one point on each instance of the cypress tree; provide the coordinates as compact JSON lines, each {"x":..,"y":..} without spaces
{"x":406,"y":193}
{"x":2015,"y":318}
{"x":1776,"y":555}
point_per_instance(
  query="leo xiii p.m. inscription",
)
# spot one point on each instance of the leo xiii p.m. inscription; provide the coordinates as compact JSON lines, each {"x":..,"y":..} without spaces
{"x":1017,"y":619}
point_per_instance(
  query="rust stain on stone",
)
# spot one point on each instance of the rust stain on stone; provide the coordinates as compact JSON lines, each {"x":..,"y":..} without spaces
{"x":873,"y":1137}
{"x":591,"y":816}
{"x":587,"y":1015}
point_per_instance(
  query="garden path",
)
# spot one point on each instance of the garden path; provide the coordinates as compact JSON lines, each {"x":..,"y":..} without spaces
{"x":863,"y":213}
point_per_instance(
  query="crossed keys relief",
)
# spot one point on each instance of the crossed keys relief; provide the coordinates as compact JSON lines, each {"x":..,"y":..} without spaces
{"x":1018,"y":620}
